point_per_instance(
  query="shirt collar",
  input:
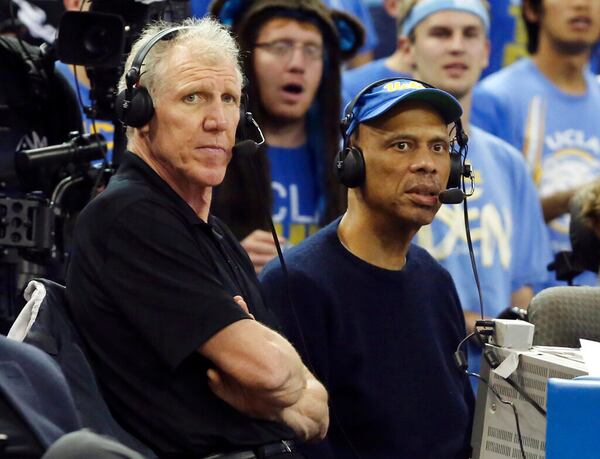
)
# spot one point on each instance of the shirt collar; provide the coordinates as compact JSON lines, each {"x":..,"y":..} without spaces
{"x":132,"y":163}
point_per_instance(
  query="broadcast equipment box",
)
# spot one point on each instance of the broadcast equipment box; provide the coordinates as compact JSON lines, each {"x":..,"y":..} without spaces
{"x":494,"y":428}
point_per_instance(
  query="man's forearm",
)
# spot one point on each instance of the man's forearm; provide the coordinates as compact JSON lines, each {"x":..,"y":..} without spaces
{"x":257,"y":371}
{"x":556,"y":204}
{"x":521,"y":297}
{"x":470,"y":319}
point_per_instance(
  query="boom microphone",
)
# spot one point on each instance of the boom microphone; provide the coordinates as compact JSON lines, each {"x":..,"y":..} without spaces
{"x":245,"y":148}
{"x":452,"y":196}
{"x":249,"y":147}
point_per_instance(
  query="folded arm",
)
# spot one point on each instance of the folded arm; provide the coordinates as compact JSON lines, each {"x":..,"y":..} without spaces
{"x":259,"y":373}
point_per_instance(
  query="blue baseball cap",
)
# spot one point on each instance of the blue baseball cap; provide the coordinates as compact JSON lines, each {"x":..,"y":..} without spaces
{"x":381,"y":98}
{"x":425,"y":8}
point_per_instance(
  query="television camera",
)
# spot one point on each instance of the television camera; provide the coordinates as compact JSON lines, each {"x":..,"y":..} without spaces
{"x":49,"y":169}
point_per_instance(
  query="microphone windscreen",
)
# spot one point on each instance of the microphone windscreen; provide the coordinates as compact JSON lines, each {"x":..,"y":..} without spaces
{"x":452,"y":196}
{"x":245,"y":148}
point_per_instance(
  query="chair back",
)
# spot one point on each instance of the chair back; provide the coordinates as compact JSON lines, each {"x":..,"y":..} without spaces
{"x":36,"y":404}
{"x":563,"y":315}
{"x":53,"y":331}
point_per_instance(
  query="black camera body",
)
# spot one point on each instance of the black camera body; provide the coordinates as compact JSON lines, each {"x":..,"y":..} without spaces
{"x":48,"y":169}
{"x":100,"y":39}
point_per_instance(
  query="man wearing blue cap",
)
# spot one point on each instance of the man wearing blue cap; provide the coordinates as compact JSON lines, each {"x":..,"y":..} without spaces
{"x":448,"y":47}
{"x":378,"y":318}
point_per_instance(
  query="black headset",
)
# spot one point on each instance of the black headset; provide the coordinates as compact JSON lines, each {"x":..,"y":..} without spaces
{"x":134,"y":105}
{"x":350,"y":162}
{"x":135,"y":108}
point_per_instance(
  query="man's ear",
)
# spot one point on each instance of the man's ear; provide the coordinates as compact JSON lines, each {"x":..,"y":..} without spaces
{"x":407,"y":48}
{"x":488,"y":50}
{"x":402,"y":43}
{"x":530,"y":13}
{"x":144,"y":130}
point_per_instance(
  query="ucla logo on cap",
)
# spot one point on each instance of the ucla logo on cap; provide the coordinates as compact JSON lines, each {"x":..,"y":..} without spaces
{"x":401,"y":85}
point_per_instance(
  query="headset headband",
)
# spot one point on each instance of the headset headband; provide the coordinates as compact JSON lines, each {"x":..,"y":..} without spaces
{"x":134,"y":73}
{"x":348,"y":112}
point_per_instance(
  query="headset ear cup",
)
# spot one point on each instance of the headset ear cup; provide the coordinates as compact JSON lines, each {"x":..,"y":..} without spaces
{"x":139,"y":109}
{"x":142,"y":109}
{"x":350,"y":167}
{"x":456,"y":170}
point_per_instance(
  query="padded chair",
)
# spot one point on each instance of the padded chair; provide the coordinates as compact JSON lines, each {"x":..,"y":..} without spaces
{"x":563,"y":315}
{"x":46,"y":323}
{"x":36,"y":404}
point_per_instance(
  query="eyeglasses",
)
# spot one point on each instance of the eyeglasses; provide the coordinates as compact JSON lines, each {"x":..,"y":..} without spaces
{"x":285,"y":48}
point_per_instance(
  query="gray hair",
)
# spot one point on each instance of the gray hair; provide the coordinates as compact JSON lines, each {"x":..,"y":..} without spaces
{"x":209,"y":38}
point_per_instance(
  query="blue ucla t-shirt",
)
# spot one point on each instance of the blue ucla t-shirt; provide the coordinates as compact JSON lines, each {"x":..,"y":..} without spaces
{"x":106,"y":128}
{"x":295,"y":186}
{"x":558,"y":133}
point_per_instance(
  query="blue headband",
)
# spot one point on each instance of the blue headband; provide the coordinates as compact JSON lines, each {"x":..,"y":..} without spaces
{"x":426,"y":8}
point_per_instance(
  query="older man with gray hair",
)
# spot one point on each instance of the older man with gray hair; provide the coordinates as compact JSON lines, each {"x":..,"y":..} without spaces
{"x":164,"y":296}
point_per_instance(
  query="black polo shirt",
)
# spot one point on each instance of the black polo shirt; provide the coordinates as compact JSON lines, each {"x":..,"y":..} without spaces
{"x":148,"y":283}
